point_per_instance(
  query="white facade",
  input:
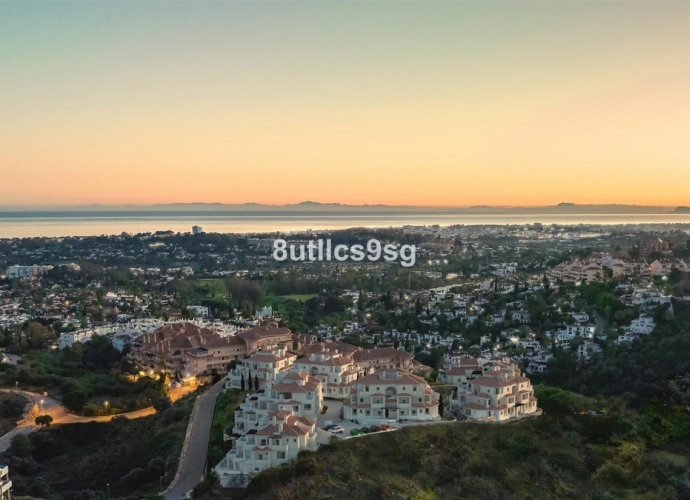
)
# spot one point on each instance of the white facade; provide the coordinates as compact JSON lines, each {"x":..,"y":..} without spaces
{"x":26,"y":271}
{"x":644,"y":325}
{"x":391,"y":395}
{"x":266,"y":366}
{"x":335,"y":371}
{"x":272,"y":428}
{"x":500,"y":393}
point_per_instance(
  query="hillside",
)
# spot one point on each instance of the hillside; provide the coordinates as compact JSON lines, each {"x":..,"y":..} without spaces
{"x":565,"y":454}
{"x":77,"y":461}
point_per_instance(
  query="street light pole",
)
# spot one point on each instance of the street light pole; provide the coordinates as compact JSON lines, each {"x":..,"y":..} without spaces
{"x":108,"y":486}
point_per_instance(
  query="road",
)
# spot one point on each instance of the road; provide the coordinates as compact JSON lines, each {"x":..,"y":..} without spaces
{"x":190,"y":470}
{"x":52,"y":407}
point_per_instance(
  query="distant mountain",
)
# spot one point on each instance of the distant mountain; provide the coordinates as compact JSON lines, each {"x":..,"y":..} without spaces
{"x":312,"y":206}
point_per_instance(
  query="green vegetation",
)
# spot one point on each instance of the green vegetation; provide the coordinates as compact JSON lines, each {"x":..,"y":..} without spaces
{"x":302,"y":297}
{"x":43,"y":420}
{"x":86,"y":376}
{"x":567,"y":453}
{"x":628,"y":370}
{"x":77,"y":461}
{"x":11,"y":409}
{"x":224,"y":416}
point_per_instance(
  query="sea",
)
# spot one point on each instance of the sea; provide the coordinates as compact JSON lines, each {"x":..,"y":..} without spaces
{"x":28,"y":225}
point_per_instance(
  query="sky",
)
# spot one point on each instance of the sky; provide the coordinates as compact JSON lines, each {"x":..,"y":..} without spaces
{"x":401,"y":103}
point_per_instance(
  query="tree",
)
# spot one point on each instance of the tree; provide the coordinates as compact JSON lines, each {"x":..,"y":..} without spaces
{"x":256,"y":382}
{"x":250,"y":381}
{"x":242,"y":383}
{"x":21,"y":446}
{"x":44,"y":420}
{"x":440,"y":405}
{"x":162,"y":404}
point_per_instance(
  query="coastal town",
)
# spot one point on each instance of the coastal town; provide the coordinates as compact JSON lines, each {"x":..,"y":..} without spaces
{"x":316,"y":353}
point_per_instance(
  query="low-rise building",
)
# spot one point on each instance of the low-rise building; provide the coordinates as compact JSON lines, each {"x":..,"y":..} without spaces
{"x":391,"y":394}
{"x":500,"y":393}
{"x":272,"y":427}
{"x":265,"y":366}
{"x":336,"y":372}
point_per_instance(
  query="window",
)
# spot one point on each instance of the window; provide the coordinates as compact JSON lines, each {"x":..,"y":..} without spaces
{"x":281,"y":454}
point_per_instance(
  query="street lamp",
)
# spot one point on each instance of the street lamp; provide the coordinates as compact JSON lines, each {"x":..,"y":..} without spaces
{"x":106,"y":407}
{"x":108,"y":486}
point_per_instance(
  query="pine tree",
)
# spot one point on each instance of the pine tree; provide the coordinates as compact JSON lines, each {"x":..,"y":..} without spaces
{"x":242,"y":383}
{"x":256,"y":382}
{"x":250,"y":380}
{"x":440,"y":406}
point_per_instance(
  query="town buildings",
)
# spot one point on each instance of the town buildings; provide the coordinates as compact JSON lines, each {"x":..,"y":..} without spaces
{"x":576,"y":271}
{"x":272,"y":427}
{"x":336,"y":371}
{"x":265,"y":367}
{"x":389,"y":395}
{"x":189,"y":350}
{"x":26,"y":271}
{"x":499,"y":393}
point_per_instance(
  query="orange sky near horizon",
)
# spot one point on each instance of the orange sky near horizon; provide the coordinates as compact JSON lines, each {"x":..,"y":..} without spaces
{"x":446,"y":104}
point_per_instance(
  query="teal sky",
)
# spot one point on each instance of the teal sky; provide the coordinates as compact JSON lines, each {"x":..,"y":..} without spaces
{"x":441,"y":103}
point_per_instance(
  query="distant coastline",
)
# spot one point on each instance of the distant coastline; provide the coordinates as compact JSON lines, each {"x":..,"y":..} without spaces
{"x":309,"y":208}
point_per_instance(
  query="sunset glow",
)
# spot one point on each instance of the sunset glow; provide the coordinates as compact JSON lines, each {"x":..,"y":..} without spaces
{"x":434,"y":104}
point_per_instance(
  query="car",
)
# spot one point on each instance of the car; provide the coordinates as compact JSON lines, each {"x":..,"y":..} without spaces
{"x":365,"y":430}
{"x":337,"y":430}
{"x":386,"y":427}
{"x":356,"y":432}
{"x":329,"y":427}
{"x":375,"y":428}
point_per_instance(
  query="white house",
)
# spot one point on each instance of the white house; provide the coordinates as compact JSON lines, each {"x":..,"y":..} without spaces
{"x":500,"y":393}
{"x":391,"y":394}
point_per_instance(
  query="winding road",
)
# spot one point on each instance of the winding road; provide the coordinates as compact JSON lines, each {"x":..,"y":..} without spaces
{"x":52,"y":407}
{"x":192,"y":465}
{"x":190,"y":470}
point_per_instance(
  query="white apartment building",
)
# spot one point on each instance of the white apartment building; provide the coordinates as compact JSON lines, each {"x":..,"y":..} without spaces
{"x":83,"y":336}
{"x":5,"y":483}
{"x":26,"y":271}
{"x":266,"y":366}
{"x":576,"y":271}
{"x":391,"y":394}
{"x":501,"y":393}
{"x":298,"y":393}
{"x":587,"y":349}
{"x":644,"y":325}
{"x":199,"y":311}
{"x":335,"y":371}
{"x":279,"y":439}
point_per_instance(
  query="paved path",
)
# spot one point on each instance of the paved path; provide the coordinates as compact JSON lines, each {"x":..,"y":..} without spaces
{"x":52,"y":407}
{"x":190,"y":470}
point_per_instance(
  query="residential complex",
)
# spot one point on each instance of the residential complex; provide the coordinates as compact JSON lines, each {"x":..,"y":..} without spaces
{"x":265,"y":366}
{"x":391,"y":395}
{"x":272,"y":427}
{"x":495,"y":391}
{"x":336,"y":371}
